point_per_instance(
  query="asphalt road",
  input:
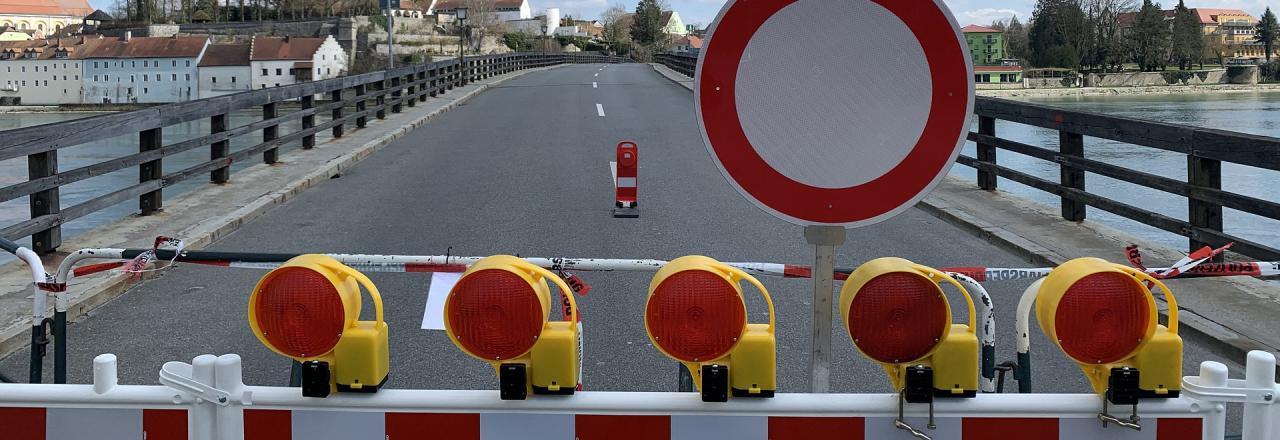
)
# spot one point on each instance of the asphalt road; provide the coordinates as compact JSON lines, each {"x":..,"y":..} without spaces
{"x":523,"y":169}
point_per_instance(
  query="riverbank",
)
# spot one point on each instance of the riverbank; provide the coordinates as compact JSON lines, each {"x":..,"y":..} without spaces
{"x":1129,"y":91}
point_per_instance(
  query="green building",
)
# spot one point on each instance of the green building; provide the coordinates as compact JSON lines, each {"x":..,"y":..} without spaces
{"x":986,"y":45}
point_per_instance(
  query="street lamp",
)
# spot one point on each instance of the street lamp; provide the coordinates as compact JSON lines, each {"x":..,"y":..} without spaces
{"x":462,"y":51}
{"x":543,"y":43}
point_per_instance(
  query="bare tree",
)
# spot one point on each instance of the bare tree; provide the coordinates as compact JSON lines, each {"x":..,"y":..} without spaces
{"x":617,"y":23}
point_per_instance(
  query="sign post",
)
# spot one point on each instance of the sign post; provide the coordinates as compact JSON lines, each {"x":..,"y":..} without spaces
{"x":806,"y":129}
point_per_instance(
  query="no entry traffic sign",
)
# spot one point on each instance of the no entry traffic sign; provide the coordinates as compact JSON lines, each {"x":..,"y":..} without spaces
{"x":836,"y":113}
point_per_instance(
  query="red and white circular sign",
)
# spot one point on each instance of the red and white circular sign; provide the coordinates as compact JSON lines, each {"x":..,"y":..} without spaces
{"x":830,"y":112}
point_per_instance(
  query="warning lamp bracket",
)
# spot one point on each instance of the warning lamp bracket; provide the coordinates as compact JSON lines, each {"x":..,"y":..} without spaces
{"x":513,"y":382}
{"x":918,"y":385}
{"x":179,"y":376}
{"x":315,"y":379}
{"x":715,"y":383}
{"x":1236,"y":391}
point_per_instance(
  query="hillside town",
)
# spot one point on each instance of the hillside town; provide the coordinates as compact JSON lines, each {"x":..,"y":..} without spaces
{"x":56,"y":52}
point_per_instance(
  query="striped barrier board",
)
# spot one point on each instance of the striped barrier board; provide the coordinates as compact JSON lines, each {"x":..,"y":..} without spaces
{"x":169,"y":424}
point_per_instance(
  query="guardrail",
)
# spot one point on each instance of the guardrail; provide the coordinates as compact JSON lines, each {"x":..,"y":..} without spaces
{"x":1205,"y":149}
{"x":352,"y":100}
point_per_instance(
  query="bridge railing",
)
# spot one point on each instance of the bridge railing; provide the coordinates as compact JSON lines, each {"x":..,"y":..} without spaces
{"x":1205,"y":150}
{"x":349,"y":100}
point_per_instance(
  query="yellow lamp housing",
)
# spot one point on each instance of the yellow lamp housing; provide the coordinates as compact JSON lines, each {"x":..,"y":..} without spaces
{"x":1104,"y":317}
{"x":498,"y":313}
{"x":696,"y":315}
{"x":897,"y":315}
{"x":308,"y":309}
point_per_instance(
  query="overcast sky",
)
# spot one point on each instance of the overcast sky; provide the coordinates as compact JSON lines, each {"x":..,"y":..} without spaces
{"x":966,"y":11}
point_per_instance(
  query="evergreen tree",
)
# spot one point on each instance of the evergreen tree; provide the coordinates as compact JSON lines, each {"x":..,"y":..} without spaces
{"x":1187,"y":47}
{"x":647,"y":25}
{"x":1016,"y":36}
{"x":1058,"y":34}
{"x":1150,"y":38}
{"x":1268,"y":32}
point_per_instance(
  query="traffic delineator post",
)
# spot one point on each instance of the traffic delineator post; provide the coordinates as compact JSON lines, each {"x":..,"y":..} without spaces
{"x":627,"y":181}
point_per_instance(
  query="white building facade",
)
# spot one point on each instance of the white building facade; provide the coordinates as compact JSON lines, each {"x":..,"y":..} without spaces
{"x":280,"y":61}
{"x":144,"y":70}
{"x":224,"y":70}
{"x":44,"y":75}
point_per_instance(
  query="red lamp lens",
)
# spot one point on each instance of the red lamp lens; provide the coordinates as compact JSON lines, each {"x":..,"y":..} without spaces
{"x":695,"y":315}
{"x":300,"y":312}
{"x":1102,"y":318}
{"x":898,"y":317}
{"x":495,"y":314}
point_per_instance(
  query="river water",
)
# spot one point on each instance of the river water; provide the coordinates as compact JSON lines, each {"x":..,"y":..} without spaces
{"x":1256,"y":113}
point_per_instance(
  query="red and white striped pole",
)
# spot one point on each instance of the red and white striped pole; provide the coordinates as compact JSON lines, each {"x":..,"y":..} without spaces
{"x":627,"y":181}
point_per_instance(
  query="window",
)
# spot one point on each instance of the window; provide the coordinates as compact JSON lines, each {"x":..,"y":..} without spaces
{"x":188,"y":63}
{"x":277,"y":85}
{"x":175,"y":77}
{"x":24,"y":83}
{"x":144,"y":90}
{"x":77,"y":77}
{"x":328,"y":70}
{"x":95,"y":78}
{"x":129,"y":90}
{"x":233,"y":80}
{"x":131,"y":79}
{"x":322,"y":57}
{"x":215,"y":80}
{"x":188,"y":77}
{"x":95,"y":64}
{"x":279,"y":72}
{"x":135,"y":64}
{"x":175,"y":63}
{"x":264,"y":86}
{"x":106,"y":77}
{"x":24,"y":69}
{"x":264,"y":72}
{"x":144,"y":77}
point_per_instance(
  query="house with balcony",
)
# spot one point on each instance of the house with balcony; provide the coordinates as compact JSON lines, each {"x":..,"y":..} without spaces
{"x":225,"y":70}
{"x":279,"y":61}
{"x":986,"y":45}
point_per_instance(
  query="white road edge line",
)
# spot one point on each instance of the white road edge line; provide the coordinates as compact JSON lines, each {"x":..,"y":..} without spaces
{"x":600,"y":109}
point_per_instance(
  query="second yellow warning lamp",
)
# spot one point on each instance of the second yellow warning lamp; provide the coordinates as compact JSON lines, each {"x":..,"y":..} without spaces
{"x":897,"y":315}
{"x":695,"y":314}
{"x":308,"y":309}
{"x":1104,"y":317}
{"x":498,"y":312}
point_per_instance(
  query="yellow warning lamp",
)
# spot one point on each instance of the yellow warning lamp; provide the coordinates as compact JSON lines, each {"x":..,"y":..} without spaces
{"x":307,"y":309}
{"x":696,"y":315}
{"x":1104,"y":317}
{"x":498,"y":313}
{"x":897,"y":314}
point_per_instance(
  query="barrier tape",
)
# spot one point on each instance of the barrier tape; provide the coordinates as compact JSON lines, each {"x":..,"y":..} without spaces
{"x":138,"y":265}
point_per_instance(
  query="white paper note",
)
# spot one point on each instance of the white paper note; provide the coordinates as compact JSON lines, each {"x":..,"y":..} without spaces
{"x":441,"y":284}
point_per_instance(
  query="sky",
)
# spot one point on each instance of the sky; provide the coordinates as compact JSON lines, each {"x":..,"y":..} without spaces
{"x":966,"y":11}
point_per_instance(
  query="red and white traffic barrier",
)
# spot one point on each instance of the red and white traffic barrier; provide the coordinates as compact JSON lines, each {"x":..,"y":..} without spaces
{"x":626,"y":181}
{"x":206,"y":400}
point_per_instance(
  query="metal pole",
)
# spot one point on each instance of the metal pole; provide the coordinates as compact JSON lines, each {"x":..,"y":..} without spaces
{"x":391,"y":41}
{"x":824,"y":240}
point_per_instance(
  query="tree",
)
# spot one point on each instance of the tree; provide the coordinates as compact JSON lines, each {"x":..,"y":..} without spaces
{"x":1057,"y":35}
{"x":1150,"y":38}
{"x":617,"y":24}
{"x":646,"y":26}
{"x":1015,"y":35}
{"x":1187,"y":47}
{"x":1215,"y":48}
{"x":1268,"y":32}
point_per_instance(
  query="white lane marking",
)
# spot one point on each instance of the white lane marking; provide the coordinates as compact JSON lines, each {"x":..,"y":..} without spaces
{"x":595,"y":85}
{"x":597,"y":75}
{"x":600,"y":109}
{"x":613,"y":171}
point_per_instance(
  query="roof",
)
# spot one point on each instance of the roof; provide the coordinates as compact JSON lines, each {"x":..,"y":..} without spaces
{"x":62,"y":8}
{"x":1210,"y":15}
{"x":218,"y":55}
{"x":973,"y":28}
{"x":450,"y":5}
{"x":997,"y":68}
{"x":284,"y":48}
{"x":691,"y":41}
{"x":150,"y":47}
{"x":98,"y":15}
{"x":75,"y":47}
{"x":416,"y":5}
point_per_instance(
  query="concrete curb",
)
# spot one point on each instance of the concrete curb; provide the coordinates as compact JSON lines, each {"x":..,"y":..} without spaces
{"x":100,"y":290}
{"x":1212,"y":331}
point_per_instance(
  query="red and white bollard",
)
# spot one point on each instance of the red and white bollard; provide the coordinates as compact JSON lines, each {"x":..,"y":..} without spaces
{"x":627,"y":181}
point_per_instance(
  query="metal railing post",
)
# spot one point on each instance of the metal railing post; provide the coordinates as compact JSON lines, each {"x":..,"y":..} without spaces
{"x":1204,"y":173}
{"x":987,"y":153}
{"x":309,"y":122}
{"x":149,"y":140}
{"x":1071,"y":144}
{"x":336,"y":97}
{"x":220,"y":149}
{"x":46,"y":202}
{"x":270,"y":133}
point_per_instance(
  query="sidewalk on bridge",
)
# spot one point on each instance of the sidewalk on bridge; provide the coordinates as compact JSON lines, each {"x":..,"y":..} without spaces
{"x":203,"y":215}
{"x":1239,"y":311}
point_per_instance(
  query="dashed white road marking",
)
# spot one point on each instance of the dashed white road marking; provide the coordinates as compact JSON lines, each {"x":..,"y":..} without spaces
{"x":597,"y":74}
{"x":595,"y":85}
{"x":600,"y":109}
